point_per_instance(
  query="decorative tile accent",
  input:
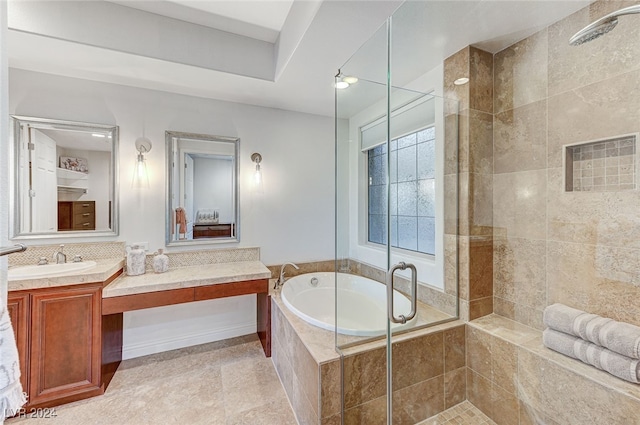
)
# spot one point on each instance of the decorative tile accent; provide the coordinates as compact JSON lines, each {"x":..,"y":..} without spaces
{"x":89,"y":251}
{"x":210,"y":256}
{"x":605,"y":165}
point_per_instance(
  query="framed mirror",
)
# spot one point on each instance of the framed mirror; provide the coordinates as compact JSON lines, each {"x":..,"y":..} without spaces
{"x":64,"y":179}
{"x":202,"y":189}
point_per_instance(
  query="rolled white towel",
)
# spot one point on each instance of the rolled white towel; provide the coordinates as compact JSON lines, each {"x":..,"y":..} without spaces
{"x":622,"y":338}
{"x":561,"y":317}
{"x":593,"y":329}
{"x":616,"y":364}
{"x":11,"y":393}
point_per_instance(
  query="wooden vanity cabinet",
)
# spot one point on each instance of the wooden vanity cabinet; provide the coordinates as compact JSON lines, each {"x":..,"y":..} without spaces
{"x":18,"y":306}
{"x":61,"y":357}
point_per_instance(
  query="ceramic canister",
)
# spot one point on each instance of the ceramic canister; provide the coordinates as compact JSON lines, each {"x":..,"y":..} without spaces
{"x":160,"y":262}
{"x":135,"y":261}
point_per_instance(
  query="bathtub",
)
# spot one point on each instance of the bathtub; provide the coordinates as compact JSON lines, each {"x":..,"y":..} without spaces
{"x":362,"y":303}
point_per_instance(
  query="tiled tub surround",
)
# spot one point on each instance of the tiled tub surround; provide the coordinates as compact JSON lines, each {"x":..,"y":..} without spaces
{"x":515,"y":380}
{"x":429,"y":366}
{"x":434,"y":304}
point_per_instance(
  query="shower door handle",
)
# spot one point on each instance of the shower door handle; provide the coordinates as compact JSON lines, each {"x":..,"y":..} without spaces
{"x":414,"y":292}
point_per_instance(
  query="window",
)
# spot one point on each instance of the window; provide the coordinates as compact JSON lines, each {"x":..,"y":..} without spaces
{"x":412,"y":192}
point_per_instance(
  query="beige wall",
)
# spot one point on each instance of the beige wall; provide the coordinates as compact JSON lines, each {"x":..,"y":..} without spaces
{"x":577,"y":248}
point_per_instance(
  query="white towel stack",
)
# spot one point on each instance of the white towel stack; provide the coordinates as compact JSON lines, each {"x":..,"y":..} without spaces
{"x":601,"y":342}
{"x":11,"y":395}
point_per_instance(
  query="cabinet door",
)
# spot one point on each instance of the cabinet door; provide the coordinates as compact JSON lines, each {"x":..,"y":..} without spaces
{"x":65,"y":345}
{"x":18,"y":306}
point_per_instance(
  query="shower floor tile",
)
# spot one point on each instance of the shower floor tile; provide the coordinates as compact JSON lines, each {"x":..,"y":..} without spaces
{"x":227,"y":382}
{"x":464,"y":413}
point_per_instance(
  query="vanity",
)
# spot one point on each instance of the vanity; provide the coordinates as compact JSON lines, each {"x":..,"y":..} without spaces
{"x":64,"y":344}
{"x":69,"y":328}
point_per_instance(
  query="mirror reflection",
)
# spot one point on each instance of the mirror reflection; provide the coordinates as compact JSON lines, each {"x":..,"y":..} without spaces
{"x":202,"y":192}
{"x":64,"y":177}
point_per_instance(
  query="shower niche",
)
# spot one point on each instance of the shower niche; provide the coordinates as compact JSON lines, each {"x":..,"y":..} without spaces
{"x":605,"y":165}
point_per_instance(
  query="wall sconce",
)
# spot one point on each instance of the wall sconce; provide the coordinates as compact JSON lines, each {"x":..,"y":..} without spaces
{"x":140,"y":175}
{"x":257,"y":176}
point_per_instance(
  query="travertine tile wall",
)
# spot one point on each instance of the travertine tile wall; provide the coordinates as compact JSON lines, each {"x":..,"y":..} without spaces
{"x":515,"y":380}
{"x":429,"y":377}
{"x":581,"y":248}
{"x":473,"y":160}
{"x":429,"y":373}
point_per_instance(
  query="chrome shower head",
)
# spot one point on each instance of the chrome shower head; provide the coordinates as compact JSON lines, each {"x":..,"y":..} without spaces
{"x":601,"y":26}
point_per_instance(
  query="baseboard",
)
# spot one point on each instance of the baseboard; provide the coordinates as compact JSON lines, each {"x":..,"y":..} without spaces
{"x":174,"y":342}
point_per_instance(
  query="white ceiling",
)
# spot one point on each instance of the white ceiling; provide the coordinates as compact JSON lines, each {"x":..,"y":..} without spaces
{"x":260,"y":19}
{"x":309,"y":40}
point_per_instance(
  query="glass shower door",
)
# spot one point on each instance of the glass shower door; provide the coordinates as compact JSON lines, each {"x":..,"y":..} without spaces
{"x":392,"y":229}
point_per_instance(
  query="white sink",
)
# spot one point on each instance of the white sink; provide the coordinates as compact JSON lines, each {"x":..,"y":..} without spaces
{"x":49,"y":270}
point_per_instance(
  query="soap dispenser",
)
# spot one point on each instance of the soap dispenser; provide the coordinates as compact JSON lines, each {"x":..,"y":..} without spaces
{"x":160,"y":262}
{"x":135,"y":260}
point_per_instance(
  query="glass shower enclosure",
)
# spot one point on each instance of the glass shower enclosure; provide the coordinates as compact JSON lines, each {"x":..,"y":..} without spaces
{"x":396,"y":200}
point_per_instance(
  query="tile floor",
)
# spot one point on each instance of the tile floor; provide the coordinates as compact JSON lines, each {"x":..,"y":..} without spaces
{"x":227,"y":382}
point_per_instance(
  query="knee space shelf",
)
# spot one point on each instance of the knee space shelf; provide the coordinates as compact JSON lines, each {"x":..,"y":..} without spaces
{"x":190,"y":284}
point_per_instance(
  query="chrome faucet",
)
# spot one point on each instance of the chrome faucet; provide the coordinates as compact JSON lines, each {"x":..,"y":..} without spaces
{"x":59,"y":256}
{"x":280,"y":280}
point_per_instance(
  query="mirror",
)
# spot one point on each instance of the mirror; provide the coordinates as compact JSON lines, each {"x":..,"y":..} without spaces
{"x":64,"y":179}
{"x":202,"y":190}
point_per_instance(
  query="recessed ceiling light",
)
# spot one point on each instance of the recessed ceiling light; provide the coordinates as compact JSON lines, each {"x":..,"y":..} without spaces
{"x":98,"y":135}
{"x":342,"y":85}
{"x":461,"y":81}
{"x":350,"y":80}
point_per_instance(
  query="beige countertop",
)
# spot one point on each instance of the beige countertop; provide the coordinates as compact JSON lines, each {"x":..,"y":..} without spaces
{"x":101,"y":272}
{"x":187,"y":277}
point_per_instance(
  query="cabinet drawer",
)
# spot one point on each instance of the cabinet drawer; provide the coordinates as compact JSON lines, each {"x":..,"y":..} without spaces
{"x":84,"y":225}
{"x":86,"y":220}
{"x":80,"y":207}
{"x":212,"y":231}
{"x":77,"y":215}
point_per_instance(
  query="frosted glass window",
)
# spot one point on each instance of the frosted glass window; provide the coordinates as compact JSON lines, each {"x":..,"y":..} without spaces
{"x":411,"y":190}
{"x":408,"y":233}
